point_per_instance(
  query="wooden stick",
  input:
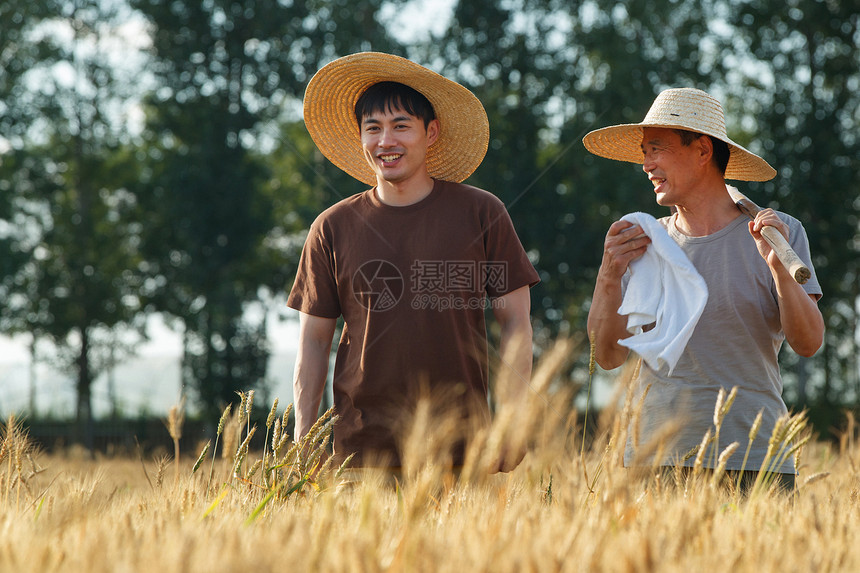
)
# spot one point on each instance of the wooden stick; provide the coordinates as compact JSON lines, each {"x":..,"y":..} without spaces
{"x":789,"y":259}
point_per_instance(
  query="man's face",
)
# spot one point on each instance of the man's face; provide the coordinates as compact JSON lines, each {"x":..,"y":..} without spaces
{"x":670,"y":165}
{"x":395,"y":144}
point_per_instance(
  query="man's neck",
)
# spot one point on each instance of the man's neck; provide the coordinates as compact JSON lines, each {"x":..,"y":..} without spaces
{"x":403,"y":193}
{"x":707,"y":212}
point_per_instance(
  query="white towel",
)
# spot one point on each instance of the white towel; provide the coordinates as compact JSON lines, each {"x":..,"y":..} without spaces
{"x":663,"y":288}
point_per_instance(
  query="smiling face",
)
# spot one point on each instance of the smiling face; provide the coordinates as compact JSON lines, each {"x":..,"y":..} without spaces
{"x":395,"y":144}
{"x":672,"y":167}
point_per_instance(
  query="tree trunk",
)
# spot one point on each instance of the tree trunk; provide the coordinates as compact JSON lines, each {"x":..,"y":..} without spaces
{"x":84,"y":414}
{"x":802,"y":372}
{"x":32,"y":397}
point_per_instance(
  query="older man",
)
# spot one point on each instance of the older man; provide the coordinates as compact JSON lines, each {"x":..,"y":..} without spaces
{"x":753,"y":303}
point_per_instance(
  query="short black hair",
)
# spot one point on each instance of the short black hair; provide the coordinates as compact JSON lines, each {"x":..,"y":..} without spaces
{"x":389,"y":96}
{"x":721,"y":148}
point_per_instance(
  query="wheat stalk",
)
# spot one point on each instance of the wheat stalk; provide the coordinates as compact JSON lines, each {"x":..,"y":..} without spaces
{"x":754,"y":429}
{"x":201,"y":457}
{"x":224,"y":415}
{"x":722,"y":461}
{"x":175,"y":421}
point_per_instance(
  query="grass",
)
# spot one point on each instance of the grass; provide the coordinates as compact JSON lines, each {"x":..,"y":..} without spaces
{"x":555,"y":512}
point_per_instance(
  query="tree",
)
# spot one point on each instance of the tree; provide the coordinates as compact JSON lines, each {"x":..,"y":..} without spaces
{"x":800,"y":92}
{"x":17,"y":55}
{"x":547,"y":73}
{"x":227,"y":73}
{"x":77,"y":281}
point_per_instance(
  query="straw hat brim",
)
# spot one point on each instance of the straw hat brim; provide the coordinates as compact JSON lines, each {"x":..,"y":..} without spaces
{"x":329,"y":113}
{"x":624,"y":143}
{"x":689,"y":109}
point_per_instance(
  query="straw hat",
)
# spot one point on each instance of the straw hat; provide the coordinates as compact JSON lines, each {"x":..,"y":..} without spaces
{"x":329,"y":110}
{"x":682,"y":108}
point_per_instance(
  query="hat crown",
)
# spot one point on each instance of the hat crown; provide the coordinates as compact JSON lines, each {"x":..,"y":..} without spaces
{"x":688,"y":108}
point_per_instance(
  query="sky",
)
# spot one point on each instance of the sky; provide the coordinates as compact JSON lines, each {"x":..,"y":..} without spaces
{"x":148,"y":382}
{"x":416,"y":20}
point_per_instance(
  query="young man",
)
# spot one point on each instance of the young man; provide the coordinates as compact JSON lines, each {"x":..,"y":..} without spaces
{"x":753,"y":303}
{"x":408,"y":264}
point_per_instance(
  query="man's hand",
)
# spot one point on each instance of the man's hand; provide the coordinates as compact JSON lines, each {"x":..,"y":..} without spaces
{"x":767,"y":217}
{"x":624,"y":243}
{"x":508,"y":460}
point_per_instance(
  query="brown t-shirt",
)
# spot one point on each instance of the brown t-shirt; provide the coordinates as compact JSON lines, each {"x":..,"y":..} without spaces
{"x":411,"y":284}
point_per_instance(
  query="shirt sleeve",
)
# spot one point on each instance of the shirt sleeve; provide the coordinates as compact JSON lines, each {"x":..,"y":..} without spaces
{"x":507,"y":267}
{"x":315,"y":290}
{"x":800,"y":243}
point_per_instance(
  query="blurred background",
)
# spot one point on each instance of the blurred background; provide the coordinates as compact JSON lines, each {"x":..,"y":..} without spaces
{"x":157,"y":181}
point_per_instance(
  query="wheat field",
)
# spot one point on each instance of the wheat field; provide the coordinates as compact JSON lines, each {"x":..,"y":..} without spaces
{"x":567,"y":507}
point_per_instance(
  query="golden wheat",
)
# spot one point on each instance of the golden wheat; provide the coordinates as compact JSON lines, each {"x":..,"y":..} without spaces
{"x":292,"y":510}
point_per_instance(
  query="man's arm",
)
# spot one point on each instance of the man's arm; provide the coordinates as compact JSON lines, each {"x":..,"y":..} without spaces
{"x":624,"y":242}
{"x":801,"y":319}
{"x":312,"y":358}
{"x":512,"y":311}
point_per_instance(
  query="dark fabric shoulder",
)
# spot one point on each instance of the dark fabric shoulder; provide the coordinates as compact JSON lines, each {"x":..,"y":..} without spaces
{"x":470,"y":193}
{"x":315,"y":290}
{"x":344,"y":208}
{"x":503,"y":247}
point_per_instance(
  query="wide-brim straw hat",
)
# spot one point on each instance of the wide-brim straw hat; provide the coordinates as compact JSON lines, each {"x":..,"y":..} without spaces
{"x":680,"y":108}
{"x":329,"y":111}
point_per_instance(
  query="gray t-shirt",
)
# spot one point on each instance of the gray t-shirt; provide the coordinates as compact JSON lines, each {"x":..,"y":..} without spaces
{"x":735,"y":343}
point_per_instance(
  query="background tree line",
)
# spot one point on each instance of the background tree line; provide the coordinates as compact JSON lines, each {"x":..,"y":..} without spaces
{"x":153,"y":157}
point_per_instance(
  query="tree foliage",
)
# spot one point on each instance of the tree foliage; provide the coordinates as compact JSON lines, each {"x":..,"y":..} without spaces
{"x":203,"y":215}
{"x":801,"y":93}
{"x":226,"y":72}
{"x":67,"y":167}
{"x":547,"y":74}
